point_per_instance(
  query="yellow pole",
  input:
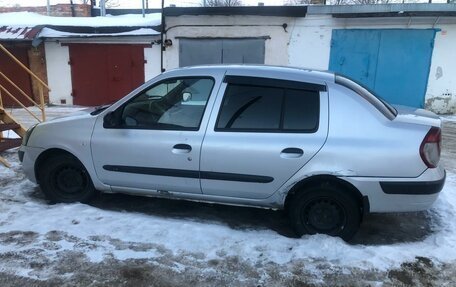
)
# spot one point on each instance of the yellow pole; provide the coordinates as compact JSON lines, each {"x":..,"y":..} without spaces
{"x":20,"y":104}
{"x":19,"y":89}
{"x":43,"y":114}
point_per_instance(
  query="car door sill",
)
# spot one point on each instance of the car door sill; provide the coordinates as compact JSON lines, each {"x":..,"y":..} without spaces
{"x":268,"y":203}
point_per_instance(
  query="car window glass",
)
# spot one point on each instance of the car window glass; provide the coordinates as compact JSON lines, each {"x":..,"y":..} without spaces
{"x":273,"y":109}
{"x":251,"y":107}
{"x":176,"y":104}
{"x":301,"y":109}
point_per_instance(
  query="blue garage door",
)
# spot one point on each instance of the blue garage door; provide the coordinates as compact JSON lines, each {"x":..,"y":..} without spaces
{"x":394,"y":63}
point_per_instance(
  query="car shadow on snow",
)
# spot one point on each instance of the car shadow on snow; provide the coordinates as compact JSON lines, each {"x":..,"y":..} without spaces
{"x":376,"y":229}
{"x":240,"y":218}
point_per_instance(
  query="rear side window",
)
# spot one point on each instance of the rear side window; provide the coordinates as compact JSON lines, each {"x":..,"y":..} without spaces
{"x":250,"y":107}
{"x":301,"y":110}
{"x":268,"y":109}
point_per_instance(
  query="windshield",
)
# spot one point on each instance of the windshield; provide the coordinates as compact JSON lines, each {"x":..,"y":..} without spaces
{"x":383,"y":106}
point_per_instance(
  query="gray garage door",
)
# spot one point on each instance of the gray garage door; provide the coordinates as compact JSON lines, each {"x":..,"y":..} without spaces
{"x":218,"y":51}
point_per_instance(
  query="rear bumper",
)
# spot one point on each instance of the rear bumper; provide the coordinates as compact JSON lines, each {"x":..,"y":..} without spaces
{"x":401,"y":194}
{"x":413,"y":187}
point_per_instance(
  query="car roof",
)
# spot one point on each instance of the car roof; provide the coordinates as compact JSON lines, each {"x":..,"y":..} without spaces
{"x":262,"y":70}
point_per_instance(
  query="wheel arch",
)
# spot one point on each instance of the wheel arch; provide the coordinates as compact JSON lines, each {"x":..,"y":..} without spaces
{"x":47,"y":154}
{"x":327,"y":179}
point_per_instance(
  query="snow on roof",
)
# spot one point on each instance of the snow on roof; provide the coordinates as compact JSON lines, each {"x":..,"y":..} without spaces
{"x":51,"y":33}
{"x":29,"y":19}
{"x":17,"y":33}
{"x":27,"y":25}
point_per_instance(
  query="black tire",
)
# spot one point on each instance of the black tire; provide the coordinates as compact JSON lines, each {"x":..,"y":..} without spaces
{"x":325,"y":209}
{"x":63,"y":178}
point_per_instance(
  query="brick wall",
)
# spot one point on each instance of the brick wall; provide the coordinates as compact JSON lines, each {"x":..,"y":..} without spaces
{"x":60,"y":10}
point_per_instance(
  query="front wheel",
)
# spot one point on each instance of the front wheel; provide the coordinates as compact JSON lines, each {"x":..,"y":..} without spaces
{"x":326,"y":210}
{"x":63,"y":178}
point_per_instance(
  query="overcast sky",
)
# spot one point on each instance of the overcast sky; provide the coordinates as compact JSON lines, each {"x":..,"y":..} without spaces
{"x":132,"y":3}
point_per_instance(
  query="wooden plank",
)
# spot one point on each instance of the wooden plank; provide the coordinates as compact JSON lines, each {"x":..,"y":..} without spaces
{"x":18,"y":102}
{"x":10,"y":143}
{"x":4,"y":162}
{"x":9,"y":119}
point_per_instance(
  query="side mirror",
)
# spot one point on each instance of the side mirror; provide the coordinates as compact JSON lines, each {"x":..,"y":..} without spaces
{"x":110,"y":120}
{"x":186,"y":96}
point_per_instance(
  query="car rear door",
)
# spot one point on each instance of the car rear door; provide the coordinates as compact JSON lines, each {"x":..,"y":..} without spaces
{"x":265,"y":130}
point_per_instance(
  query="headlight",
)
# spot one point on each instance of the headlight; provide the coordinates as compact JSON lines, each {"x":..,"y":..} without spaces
{"x":25,"y":139}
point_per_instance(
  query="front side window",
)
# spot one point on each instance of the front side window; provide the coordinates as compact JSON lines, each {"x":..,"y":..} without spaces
{"x":175,"y":104}
{"x":268,"y":109}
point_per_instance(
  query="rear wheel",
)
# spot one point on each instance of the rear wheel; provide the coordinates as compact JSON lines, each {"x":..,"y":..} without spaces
{"x":325,"y":209}
{"x":63,"y":178}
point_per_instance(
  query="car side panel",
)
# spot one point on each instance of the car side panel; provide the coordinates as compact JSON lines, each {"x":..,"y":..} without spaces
{"x":78,"y":144}
{"x":362,"y":142}
{"x":257,"y":154}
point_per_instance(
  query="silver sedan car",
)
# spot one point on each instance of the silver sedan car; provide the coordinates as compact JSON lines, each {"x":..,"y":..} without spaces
{"x":316,"y":144}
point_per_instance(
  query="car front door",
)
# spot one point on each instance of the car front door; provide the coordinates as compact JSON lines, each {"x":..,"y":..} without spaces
{"x":265,"y":131}
{"x":152,"y":142}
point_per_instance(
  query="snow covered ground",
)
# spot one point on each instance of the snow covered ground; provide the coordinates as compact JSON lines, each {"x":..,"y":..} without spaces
{"x":123,"y":239}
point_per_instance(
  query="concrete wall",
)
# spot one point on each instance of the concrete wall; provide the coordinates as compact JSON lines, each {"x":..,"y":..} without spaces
{"x":441,"y":91}
{"x":307,"y":43}
{"x":310,"y":46}
{"x":276,"y":46}
{"x":59,"y":71}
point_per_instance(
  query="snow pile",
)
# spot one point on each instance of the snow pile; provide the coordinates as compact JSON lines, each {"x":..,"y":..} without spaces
{"x":22,"y":211}
{"x":52,"y":33}
{"x":30,"y":19}
{"x":93,"y":230}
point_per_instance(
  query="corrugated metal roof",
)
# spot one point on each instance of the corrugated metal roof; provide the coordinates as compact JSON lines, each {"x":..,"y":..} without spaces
{"x":18,"y":32}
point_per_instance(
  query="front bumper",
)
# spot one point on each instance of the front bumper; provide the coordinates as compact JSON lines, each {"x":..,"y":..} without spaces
{"x":401,"y":194}
{"x":28,"y":156}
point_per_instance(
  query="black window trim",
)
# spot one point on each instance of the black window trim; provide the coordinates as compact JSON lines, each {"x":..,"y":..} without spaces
{"x":276,"y":83}
{"x":122,"y":107}
{"x":279,"y":130}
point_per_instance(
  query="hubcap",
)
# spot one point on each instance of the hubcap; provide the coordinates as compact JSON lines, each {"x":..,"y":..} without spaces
{"x":323,"y":216}
{"x":70,"y":180}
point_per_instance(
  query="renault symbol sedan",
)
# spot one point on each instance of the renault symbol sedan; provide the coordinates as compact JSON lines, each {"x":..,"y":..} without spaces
{"x":316,"y":144}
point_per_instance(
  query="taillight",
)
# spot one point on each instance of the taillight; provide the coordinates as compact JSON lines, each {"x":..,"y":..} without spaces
{"x":430,"y":147}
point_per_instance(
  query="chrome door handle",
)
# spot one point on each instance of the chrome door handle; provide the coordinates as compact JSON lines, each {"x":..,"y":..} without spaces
{"x":182,"y":148}
{"x":291,"y":152}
